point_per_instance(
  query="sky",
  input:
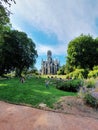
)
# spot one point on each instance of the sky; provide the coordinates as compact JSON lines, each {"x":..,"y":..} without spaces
{"x":52,"y":24}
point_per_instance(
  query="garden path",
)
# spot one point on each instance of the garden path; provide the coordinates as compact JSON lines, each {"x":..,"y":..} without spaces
{"x":16,"y":117}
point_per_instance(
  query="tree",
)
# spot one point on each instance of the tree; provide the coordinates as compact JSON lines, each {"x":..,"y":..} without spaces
{"x":4,"y":23}
{"x":8,"y":2}
{"x":61,"y":70}
{"x":82,"y":52}
{"x":18,"y":52}
{"x":4,"y":12}
{"x":4,"y":26}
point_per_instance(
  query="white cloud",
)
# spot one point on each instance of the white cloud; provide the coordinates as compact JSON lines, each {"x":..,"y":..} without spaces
{"x":66,"y":18}
{"x":42,"y":49}
{"x":56,"y":49}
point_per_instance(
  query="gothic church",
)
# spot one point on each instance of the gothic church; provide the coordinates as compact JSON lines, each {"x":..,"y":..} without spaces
{"x":49,"y":66}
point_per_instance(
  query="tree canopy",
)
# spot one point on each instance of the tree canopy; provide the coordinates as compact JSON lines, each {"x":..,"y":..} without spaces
{"x":4,"y":21}
{"x":4,"y":26}
{"x":18,"y":52}
{"x":82,"y":53}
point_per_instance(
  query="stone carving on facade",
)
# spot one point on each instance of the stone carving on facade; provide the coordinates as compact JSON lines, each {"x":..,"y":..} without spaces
{"x":49,"y":66}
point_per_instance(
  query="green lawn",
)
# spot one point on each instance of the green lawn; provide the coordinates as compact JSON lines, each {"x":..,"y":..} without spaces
{"x":32,"y":92}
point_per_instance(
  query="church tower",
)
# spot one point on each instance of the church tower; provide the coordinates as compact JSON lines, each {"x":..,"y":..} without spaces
{"x":49,"y":56}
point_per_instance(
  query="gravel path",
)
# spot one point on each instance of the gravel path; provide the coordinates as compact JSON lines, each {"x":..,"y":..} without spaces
{"x":16,"y":117}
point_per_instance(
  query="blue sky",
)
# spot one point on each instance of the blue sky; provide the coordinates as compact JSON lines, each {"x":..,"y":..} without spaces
{"x":51,"y":24}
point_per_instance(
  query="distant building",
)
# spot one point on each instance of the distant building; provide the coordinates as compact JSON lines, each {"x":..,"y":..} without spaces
{"x":49,"y":66}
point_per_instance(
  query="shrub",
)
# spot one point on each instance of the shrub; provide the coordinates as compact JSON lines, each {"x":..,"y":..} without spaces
{"x":78,"y":73}
{"x":93,"y":73}
{"x":95,"y":67}
{"x":69,"y":85}
{"x":91,"y":100}
{"x":90,"y":83}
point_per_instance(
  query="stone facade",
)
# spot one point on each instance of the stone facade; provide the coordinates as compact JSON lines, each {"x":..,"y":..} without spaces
{"x":49,"y":66}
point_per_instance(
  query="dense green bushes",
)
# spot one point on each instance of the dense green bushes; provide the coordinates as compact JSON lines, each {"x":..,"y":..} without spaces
{"x":69,"y":85}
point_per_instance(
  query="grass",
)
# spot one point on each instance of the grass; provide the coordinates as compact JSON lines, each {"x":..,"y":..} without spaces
{"x":32,"y":92}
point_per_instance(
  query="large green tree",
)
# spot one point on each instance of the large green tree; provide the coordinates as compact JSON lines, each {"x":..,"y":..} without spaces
{"x":82,"y":53}
{"x":4,"y":27}
{"x":18,"y":52}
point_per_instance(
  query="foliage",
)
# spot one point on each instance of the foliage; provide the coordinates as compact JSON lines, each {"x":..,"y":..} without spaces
{"x":90,"y":100}
{"x":90,"y":83}
{"x":4,"y":19}
{"x":7,"y":2}
{"x":69,"y":85}
{"x":95,"y":67}
{"x":33,"y":71}
{"x":93,"y":73}
{"x":32,"y":91}
{"x":82,"y":53}
{"x":61,"y":70}
{"x":68,"y":67}
{"x":18,"y":52}
{"x":4,"y":26}
{"x":89,"y":86}
{"x":78,"y":73}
